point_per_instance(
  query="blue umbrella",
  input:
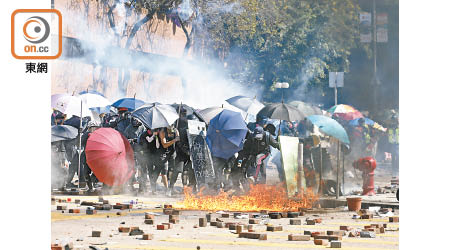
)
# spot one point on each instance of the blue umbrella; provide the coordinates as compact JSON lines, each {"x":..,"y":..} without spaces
{"x":226,"y":134}
{"x":354,"y":122}
{"x":330,"y":127}
{"x":129,"y":103}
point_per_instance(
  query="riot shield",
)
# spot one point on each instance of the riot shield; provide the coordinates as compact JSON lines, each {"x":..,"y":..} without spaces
{"x":200,"y":154}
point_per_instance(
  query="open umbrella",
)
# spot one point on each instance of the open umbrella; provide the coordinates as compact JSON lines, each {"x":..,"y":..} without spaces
{"x":110,"y":156}
{"x":345,"y":112}
{"x":129,"y":103}
{"x":63,"y":133}
{"x":369,"y":122}
{"x":281,"y":111}
{"x":306,"y":108}
{"x":226,"y":133}
{"x":70,"y":105}
{"x":247,"y":104}
{"x":209,"y":113}
{"x":94,"y":100}
{"x":156,"y":115}
{"x":330,"y":127}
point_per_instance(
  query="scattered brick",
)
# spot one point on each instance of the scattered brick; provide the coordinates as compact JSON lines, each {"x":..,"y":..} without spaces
{"x":87,"y":203}
{"x":314,"y":234}
{"x":293,"y":215}
{"x":335,"y":244}
{"x":318,"y":220}
{"x":177,"y":217}
{"x":220,"y":224}
{"x":168,"y":224}
{"x":149,"y":222}
{"x":294,"y":237}
{"x":257,"y":236}
{"x":56,"y":247}
{"x":228,"y":224}
{"x":77,"y":201}
{"x":338,"y":232}
{"x":134,"y":228}
{"x":124,"y":229}
{"x":152,"y":216}
{"x":365,"y":234}
{"x":168,"y":206}
{"x":394,"y":219}
{"x":202,"y":222}
{"x":91,"y":211}
{"x":310,"y":222}
{"x":208,"y":217}
{"x":117,"y":206}
{"x":136,"y":232}
{"x":367,"y":216}
{"x":167,"y":211}
{"x":213,"y":223}
{"x":61,"y":207}
{"x":351,"y":234}
{"x":162,"y":227}
{"x":96,"y":233}
{"x":225,"y":215}
{"x":239,"y":228}
{"x":147,"y":236}
{"x":382,"y":230}
{"x":375,"y":230}
{"x":345,"y":228}
{"x":274,"y":228}
{"x":295,"y":221}
{"x":74,"y":211}
{"x":250,"y":228}
{"x":107,"y":207}
{"x":174,"y":221}
{"x":275,"y":215}
{"x":322,"y":242}
{"x":253,"y":221}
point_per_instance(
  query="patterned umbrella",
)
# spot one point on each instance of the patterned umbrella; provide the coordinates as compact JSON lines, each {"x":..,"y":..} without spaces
{"x":345,"y":112}
{"x":369,"y":122}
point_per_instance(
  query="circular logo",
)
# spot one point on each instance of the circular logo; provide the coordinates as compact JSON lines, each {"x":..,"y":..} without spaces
{"x":36,"y":29}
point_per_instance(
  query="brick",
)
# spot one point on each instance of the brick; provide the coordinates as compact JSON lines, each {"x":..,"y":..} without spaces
{"x":136,"y":232}
{"x":152,"y":216}
{"x":318,"y":220}
{"x":170,"y":226}
{"x":351,"y":234}
{"x":293,"y":215}
{"x":107,"y":207}
{"x":345,"y":228}
{"x":168,"y":206}
{"x":96,"y":233}
{"x":91,"y":211}
{"x":117,"y":206}
{"x":334,"y":232}
{"x":230,"y":224}
{"x":56,"y":247}
{"x":61,"y":207}
{"x":321,"y":242}
{"x":162,"y":227}
{"x":77,"y":201}
{"x":250,"y":228}
{"x":375,"y":230}
{"x":298,"y":237}
{"x":394,"y":219}
{"x":295,"y":221}
{"x":202,"y":222}
{"x":314,"y":234}
{"x":376,"y":225}
{"x":149,"y":222}
{"x":335,"y":244}
{"x":174,"y":221}
{"x":167,"y":211}
{"x":367,"y":216}
{"x":364,"y":234}
{"x":225,"y":215}
{"x":213,"y":223}
{"x":220,"y":224}
{"x":382,"y":230}
{"x":74,"y":211}
{"x":253,"y":221}
{"x":176,"y":217}
{"x":274,"y":228}
{"x":124,"y":229}
{"x":334,"y":237}
{"x":239,"y":228}
{"x":208,"y":217}
{"x":275,"y":215}
{"x":257,"y":236}
{"x":147,"y":236}
{"x":310,"y":222}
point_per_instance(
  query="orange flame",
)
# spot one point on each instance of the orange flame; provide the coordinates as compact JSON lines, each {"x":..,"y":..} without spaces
{"x":260,"y":197}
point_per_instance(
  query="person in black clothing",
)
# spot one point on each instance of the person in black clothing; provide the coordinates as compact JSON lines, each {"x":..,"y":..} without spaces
{"x":145,"y":156}
{"x":256,"y":150}
{"x":132,"y":133}
{"x":164,"y":151}
{"x":182,"y":160}
{"x":57,"y":118}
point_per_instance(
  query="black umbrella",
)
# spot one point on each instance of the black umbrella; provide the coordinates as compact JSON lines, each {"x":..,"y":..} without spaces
{"x":281,"y":111}
{"x":247,"y":104}
{"x":156,"y":115}
{"x":189,"y":110}
{"x":63,"y":133}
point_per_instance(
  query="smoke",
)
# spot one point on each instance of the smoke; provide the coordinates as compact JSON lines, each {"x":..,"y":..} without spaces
{"x":197,"y":83}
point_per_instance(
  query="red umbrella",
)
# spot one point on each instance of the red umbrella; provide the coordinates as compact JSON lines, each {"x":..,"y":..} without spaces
{"x":345,"y":112}
{"x":110,"y":156}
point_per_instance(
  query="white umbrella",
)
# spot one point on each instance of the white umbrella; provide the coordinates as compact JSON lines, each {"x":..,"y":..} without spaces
{"x":69,"y":105}
{"x":94,"y":100}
